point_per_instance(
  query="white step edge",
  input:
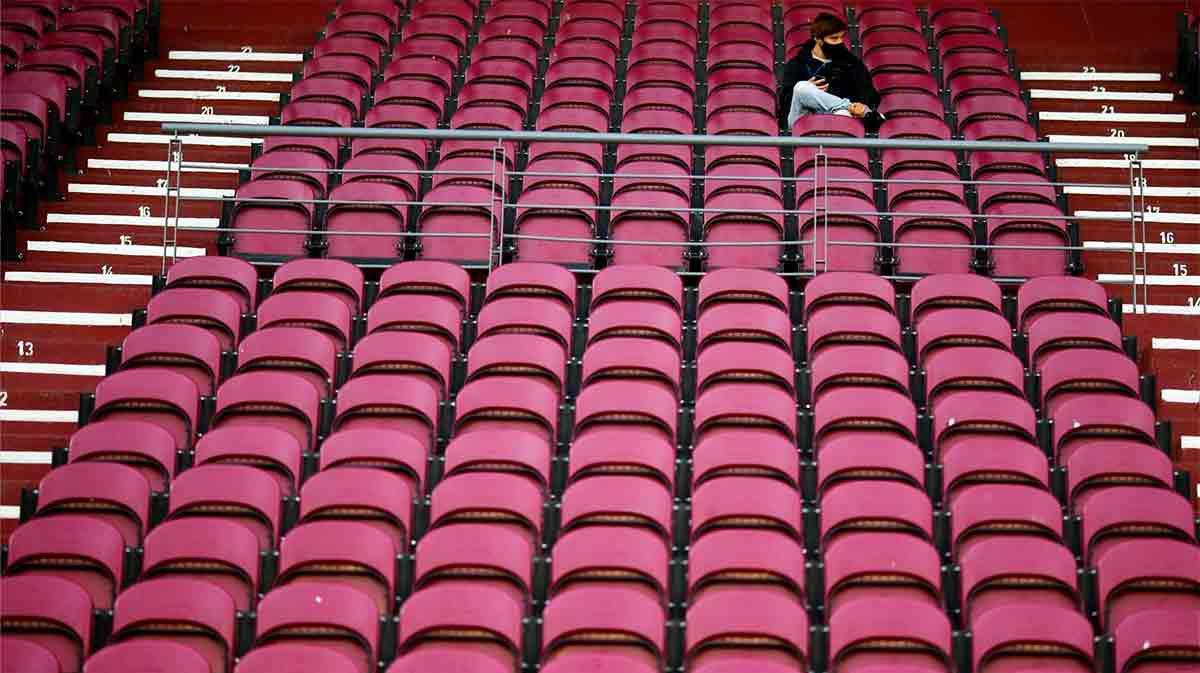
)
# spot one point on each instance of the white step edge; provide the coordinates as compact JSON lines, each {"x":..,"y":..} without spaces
{"x":200,"y":94}
{"x":130,"y":220}
{"x":161,"y":166}
{"x":115,"y":249}
{"x":80,"y":278}
{"x":243,"y":56}
{"x":1148,"y":164}
{"x":1153,"y":141}
{"x":1160,"y":309}
{"x":1191,"y":442}
{"x":1173,"y":344}
{"x":1151,"y":218}
{"x":51,"y":368}
{"x":223,"y":75}
{"x":39,"y":416}
{"x":10,"y":512}
{"x":1105,"y":117}
{"x":195,"y":118}
{"x":1177,"y":396}
{"x":1162,"y":192}
{"x":193,"y":141}
{"x":25,"y":457}
{"x":1079,"y":76}
{"x":139,"y":190}
{"x":1071,"y":94}
{"x":1154,"y":280}
{"x":73,"y":318}
{"x":1149,"y":248}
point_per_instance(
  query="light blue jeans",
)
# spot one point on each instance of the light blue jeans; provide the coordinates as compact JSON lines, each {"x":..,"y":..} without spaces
{"x":807,"y":98}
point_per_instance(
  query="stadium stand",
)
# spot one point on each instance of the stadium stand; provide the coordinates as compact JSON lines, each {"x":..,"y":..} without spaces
{"x":466,"y":405}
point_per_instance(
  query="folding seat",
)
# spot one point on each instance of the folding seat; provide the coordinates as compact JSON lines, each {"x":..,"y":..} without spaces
{"x":835,"y":288}
{"x":1015,"y":635}
{"x":739,"y":48}
{"x":1097,"y":467}
{"x":732,"y":407}
{"x":590,"y":64}
{"x":987,"y":511}
{"x":1102,"y":418}
{"x":1043,"y":296}
{"x":222,"y":553}
{"x":270,"y":398}
{"x":582,"y":617}
{"x":984,"y":162}
{"x":418,"y":102}
{"x":421,"y":31}
{"x":31,"y":114}
{"x":52,"y":613}
{"x":645,"y":210}
{"x":904,"y":104}
{"x":1025,"y":571}
{"x":362,"y":27}
{"x":341,"y":64}
{"x":617,"y":500}
{"x":849,"y":458}
{"x":918,"y":128}
{"x":443,"y":659}
{"x":419,"y":355}
{"x":377,"y":498}
{"x":229,"y":276}
{"x":166,"y":398}
{"x":735,"y":559}
{"x":383,"y":9}
{"x":895,"y":51}
{"x":185,"y":349}
{"x":639,"y":320}
{"x":943,"y":291}
{"x":895,"y":634}
{"x":142,"y":445}
{"x":438,"y":316}
{"x":210,"y":309}
{"x":466,"y":230}
{"x":611,"y":558}
{"x":963,"y":414}
{"x":837,"y":325}
{"x":488,"y":497}
{"x":330,"y":615}
{"x":366,"y":220}
{"x":190,"y":612}
{"x":343,"y":92}
{"x":622,"y":450}
{"x":243,"y":495}
{"x":1067,"y":332}
{"x":400,"y":170}
{"x":607,"y":402}
{"x":578,"y":24}
{"x":746,"y":502}
{"x":888,"y":20}
{"x":746,"y":212}
{"x":572,"y":107}
{"x":1000,"y":187}
{"x":853,"y":506}
{"x":1069,"y":373}
{"x":730,"y":362}
{"x":887,"y":83}
{"x":85,"y":550}
{"x":972,"y":368}
{"x":1121,"y":512}
{"x":274,"y":450}
{"x":954,"y":22}
{"x":325,"y":314}
{"x":537,"y":359}
{"x":871,"y":566}
{"x":379,"y":401}
{"x":846,"y":219}
{"x":23,"y":656}
{"x":70,"y":68}
{"x":468,"y":556}
{"x":742,"y":323}
{"x":333,"y":276}
{"x":748,"y":451}
{"x":958,"y":327}
{"x":27,"y":21}
{"x":346,"y":553}
{"x":556,"y":211}
{"x":1135,"y":576}
{"x":302,"y":352}
{"x":296,"y":657}
{"x":1158,"y":640}
{"x":392,"y":451}
{"x":491,"y":403}
{"x":1041,"y":232}
{"x":642,"y":283}
{"x":448,"y":625}
{"x":273,"y":216}
{"x":526,"y":315}
{"x":746,"y":629}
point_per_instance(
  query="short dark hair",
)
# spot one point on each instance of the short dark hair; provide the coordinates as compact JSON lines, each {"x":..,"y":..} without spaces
{"x":826,"y":24}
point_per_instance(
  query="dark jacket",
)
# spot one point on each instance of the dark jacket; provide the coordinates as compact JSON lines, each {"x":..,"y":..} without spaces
{"x":847,"y":76}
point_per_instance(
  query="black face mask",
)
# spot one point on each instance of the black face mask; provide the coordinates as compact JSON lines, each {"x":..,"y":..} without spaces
{"x":835,"y":50}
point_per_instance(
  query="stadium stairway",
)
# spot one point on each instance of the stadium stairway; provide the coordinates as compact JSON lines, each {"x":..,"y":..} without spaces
{"x":89,"y":265}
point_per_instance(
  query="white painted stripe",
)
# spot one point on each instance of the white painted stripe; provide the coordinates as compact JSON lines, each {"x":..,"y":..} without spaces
{"x":111,"y":249}
{"x":1078,"y":76}
{"x":1069,"y":94}
{"x":1164,"y":192}
{"x":223,"y":75}
{"x":265,"y":56}
{"x":10,"y":512}
{"x":51,"y":368}
{"x":25,"y":457}
{"x":1181,"y":396}
{"x":1150,"y":248}
{"x":1148,"y":164}
{"x":199,"y":94}
{"x":195,"y":118}
{"x":1123,"y":216}
{"x":137,"y":190}
{"x":79,"y":319}
{"x":1160,"y":309}
{"x":1168,"y":344}
{"x":1148,"y":117}
{"x":1153,"y":141}
{"x":159,"y":139}
{"x":129,"y":220}
{"x":84,"y":278}
{"x":1190,"y":442}
{"x":1157,"y":281}
{"x":39,"y":416}
{"x":161,"y":166}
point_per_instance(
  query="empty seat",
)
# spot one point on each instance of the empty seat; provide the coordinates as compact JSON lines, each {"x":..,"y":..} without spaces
{"x":606,"y":500}
{"x":187,"y":611}
{"x":1026,"y":635}
{"x":23,"y":656}
{"x":953,"y":328}
{"x":852,"y":506}
{"x":376,"y":498}
{"x":1010,"y":510}
{"x":282,"y":400}
{"x":106,"y":491}
{"x":1124,"y":512}
{"x":346,"y":553}
{"x":746,"y":502}
{"x":296,"y":657}
{"x":50,"y":612}
{"x":1154,"y":641}
{"x":378,"y":401}
{"x":86,"y":551}
{"x":216,"y":311}
{"x":330,"y":276}
{"x":1043,"y":296}
{"x":849,"y":458}
{"x":584,"y":616}
{"x":1145,"y":574}
{"x":142,"y":445}
{"x":962,"y":415}
{"x":299,"y":351}
{"x":498,"y":499}
{"x":1024,"y":572}
{"x":336,"y":617}
{"x":1102,"y":418}
{"x":746,"y":451}
{"x":622,"y":449}
{"x":405,"y":355}
{"x":272,"y":218}
{"x":617,"y":557}
{"x":1081,"y":372}
{"x":442,"y":319}
{"x":223,"y":553}
{"x":988,"y":458}
{"x":641,"y":320}
{"x":607,"y":402}
{"x":891,"y":633}
{"x":146,"y":655}
{"x":1102,"y":465}
{"x":510,"y":451}
{"x":441,"y":280}
{"x":313,"y":310}
{"x":468,"y":555}
{"x":187,"y":349}
{"x":631,"y":358}
{"x":846,"y":411}
{"x":463,"y":622}
{"x":747,"y":626}
{"x":872,"y":566}
{"x":369,"y":220}
{"x":393,"y":451}
{"x":165,"y":398}
{"x":241,"y":494}
{"x":744,"y":323}
{"x":730,"y":560}
{"x":944,"y":291}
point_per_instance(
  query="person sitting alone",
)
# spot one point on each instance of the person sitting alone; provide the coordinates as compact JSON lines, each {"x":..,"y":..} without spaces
{"x":825,"y":77}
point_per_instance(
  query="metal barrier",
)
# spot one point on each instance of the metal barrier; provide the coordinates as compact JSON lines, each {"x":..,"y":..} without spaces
{"x":819,"y":184}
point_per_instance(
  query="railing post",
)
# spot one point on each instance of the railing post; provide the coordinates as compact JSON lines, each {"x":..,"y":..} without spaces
{"x":1137,"y":222}
{"x":496,"y":219}
{"x":1141,"y":218}
{"x":170,"y":235}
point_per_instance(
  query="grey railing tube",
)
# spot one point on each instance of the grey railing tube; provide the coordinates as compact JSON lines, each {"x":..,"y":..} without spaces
{"x":646,"y":138}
